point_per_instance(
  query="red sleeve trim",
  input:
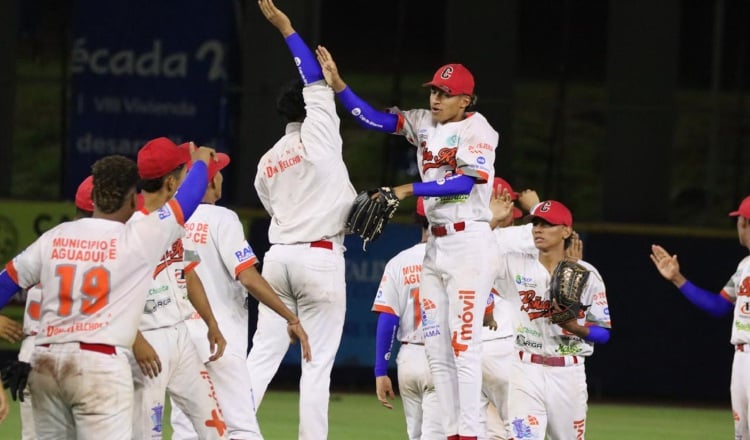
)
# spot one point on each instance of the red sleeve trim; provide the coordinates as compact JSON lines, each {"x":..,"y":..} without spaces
{"x":11,"y":269}
{"x":177,"y":209}
{"x":383,"y":309}
{"x":242,"y":266}
{"x":723,"y":293}
{"x":191,"y":267}
{"x":400,"y":123}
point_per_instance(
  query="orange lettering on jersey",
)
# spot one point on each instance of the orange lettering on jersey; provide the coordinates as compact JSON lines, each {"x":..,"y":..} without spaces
{"x":744,"y":289}
{"x":411,"y":279}
{"x":446,"y":156}
{"x":534,"y":305}
{"x":35,"y":310}
{"x":283,"y":165}
{"x":217,"y":423}
{"x":458,"y":347}
{"x":197,"y":232}
{"x":580,"y":428}
{"x":173,"y":255}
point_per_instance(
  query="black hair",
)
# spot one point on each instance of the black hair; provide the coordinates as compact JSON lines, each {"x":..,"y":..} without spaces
{"x":155,"y":184}
{"x":290,"y":104}
{"x":114,"y":177}
{"x":82,"y":213}
{"x":421,"y":221}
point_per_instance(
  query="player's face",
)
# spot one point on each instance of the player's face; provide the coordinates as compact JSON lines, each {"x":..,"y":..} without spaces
{"x":743,"y":230}
{"x":447,"y":108}
{"x":218,"y":181}
{"x":549,"y":237}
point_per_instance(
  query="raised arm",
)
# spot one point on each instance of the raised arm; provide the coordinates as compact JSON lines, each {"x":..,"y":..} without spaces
{"x":363,"y":112}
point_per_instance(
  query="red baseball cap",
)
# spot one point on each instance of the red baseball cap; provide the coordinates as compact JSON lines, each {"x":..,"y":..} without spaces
{"x":222,"y":160}
{"x":84,"y":201}
{"x":453,"y":79}
{"x":420,"y":206}
{"x":743,"y":210}
{"x":501,"y":184}
{"x":553,"y":212}
{"x":161,"y":156}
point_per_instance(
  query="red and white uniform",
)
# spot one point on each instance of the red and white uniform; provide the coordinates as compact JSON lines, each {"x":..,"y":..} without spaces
{"x":93,"y":274}
{"x":497,"y":345}
{"x":548,"y":393}
{"x":737,"y":290}
{"x":398,"y":294}
{"x":459,"y":267}
{"x":304,"y":185}
{"x":217,"y":235}
{"x":183,"y":374}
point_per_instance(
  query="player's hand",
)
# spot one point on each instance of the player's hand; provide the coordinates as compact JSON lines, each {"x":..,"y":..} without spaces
{"x":297,"y":333}
{"x":10,"y":330}
{"x":575,"y":250}
{"x":501,"y":206}
{"x":146,"y":357}
{"x":527,"y":199}
{"x":667,"y":265}
{"x":330,"y":71}
{"x":489,"y":321}
{"x":384,"y":390}
{"x":203,"y":154}
{"x":276,"y":17}
{"x":4,"y":406}
{"x":216,"y":342}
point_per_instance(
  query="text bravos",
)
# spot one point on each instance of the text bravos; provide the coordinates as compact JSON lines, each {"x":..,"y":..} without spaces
{"x":153,"y":63}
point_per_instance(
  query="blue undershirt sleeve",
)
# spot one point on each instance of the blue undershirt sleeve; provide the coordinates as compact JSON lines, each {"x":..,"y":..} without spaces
{"x":8,"y":288}
{"x":715,"y":305}
{"x":453,"y":185}
{"x":193,"y":188}
{"x":384,"y":337}
{"x":597,"y":335}
{"x":365,"y":115}
{"x":307,"y":65}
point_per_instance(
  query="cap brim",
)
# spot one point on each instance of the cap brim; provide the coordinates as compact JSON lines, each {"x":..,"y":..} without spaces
{"x":222,"y":161}
{"x":517,"y":213}
{"x":442,"y":87}
{"x":734,"y":214}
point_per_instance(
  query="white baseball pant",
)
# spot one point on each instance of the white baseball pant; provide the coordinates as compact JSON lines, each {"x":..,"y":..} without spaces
{"x":234,"y":393}
{"x":457,"y":276}
{"x":421,"y":405}
{"x":497,"y":361}
{"x":186,"y":379}
{"x":740,"y":393}
{"x":27,"y":414}
{"x":80,"y":393}
{"x":310,"y":281}
{"x":548,"y":401}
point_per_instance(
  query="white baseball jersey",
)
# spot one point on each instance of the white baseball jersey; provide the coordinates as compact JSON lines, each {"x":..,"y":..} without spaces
{"x":526,"y":276}
{"x":307,"y":157}
{"x":398,"y":293}
{"x":92,"y":273}
{"x":166,"y":301}
{"x":737,"y":290}
{"x":509,"y":239}
{"x":216,"y":234}
{"x":33,"y":310}
{"x":463,"y":147}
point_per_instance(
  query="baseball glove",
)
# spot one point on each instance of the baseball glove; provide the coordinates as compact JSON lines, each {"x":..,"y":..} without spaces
{"x":568,"y":280}
{"x":369,"y":214}
{"x":15,"y":375}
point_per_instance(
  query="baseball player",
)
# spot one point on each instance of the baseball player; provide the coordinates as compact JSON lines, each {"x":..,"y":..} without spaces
{"x":303,"y":184}
{"x":548,"y":394}
{"x":397,"y":298}
{"x":455,"y":151}
{"x":227,"y":270}
{"x":734,"y":296}
{"x":163,"y":348}
{"x":18,"y":372}
{"x":92,"y":273}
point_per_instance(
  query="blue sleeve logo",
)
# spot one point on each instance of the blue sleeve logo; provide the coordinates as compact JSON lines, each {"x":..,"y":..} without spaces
{"x":164,"y":212}
{"x":244,"y":255}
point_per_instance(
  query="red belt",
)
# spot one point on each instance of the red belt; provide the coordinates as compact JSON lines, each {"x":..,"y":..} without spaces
{"x":552,"y":361}
{"x":99,"y":348}
{"x":325,"y":244}
{"x":740,"y":347}
{"x":440,"y":231}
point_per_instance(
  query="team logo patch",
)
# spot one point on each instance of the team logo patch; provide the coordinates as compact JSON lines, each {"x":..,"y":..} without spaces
{"x":545,"y":207}
{"x":244,"y":255}
{"x":452,"y":141}
{"x":157,"y":413}
{"x":521,"y":429}
{"x":481,"y":160}
{"x":430,"y":326}
{"x":447,"y":72}
{"x":163,"y":213}
{"x":356,"y":111}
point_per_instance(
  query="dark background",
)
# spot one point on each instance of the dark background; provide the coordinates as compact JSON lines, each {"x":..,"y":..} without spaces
{"x":632,"y":112}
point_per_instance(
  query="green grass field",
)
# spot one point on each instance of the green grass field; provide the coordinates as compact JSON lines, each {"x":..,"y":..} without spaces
{"x":358,"y":416}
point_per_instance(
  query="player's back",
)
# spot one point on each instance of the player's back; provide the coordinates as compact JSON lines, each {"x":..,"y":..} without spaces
{"x":303,"y":181}
{"x":94,"y":277}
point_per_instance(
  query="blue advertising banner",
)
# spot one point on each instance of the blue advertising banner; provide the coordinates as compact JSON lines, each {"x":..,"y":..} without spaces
{"x":363,"y":273}
{"x":141,"y":69}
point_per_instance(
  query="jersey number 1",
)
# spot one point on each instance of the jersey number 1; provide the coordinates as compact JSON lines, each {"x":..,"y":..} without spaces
{"x":95,"y":288}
